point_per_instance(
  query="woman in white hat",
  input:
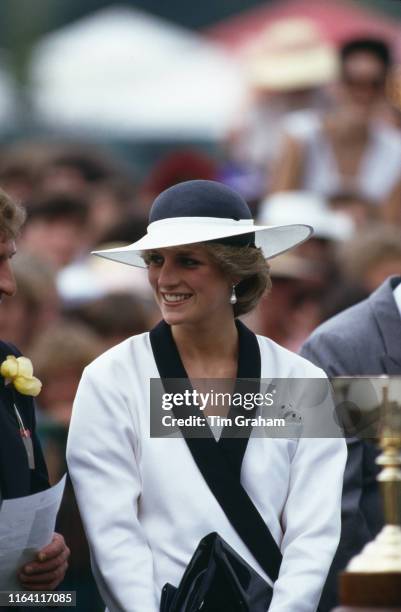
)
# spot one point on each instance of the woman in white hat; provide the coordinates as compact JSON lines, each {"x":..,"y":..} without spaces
{"x":146,"y":502}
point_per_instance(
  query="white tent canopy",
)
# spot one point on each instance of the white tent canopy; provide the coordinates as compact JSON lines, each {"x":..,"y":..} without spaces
{"x":126,"y":71}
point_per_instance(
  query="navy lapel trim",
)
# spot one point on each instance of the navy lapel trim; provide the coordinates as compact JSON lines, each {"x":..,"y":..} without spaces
{"x":220,"y":463}
{"x":388,"y":320}
{"x":249,"y":367}
{"x":169,"y":365}
{"x":169,"y":362}
{"x":165,"y":352}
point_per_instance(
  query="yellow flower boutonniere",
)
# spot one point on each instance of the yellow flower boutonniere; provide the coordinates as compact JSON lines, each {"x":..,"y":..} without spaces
{"x":19,"y":371}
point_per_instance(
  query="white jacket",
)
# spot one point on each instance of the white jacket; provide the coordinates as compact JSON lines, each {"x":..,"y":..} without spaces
{"x":145,"y":505}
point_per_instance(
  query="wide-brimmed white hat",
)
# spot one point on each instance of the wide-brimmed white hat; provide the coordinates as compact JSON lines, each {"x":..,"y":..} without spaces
{"x":203,"y":211}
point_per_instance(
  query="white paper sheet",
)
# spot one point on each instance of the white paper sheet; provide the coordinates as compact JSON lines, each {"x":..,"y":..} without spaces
{"x":26,"y":526}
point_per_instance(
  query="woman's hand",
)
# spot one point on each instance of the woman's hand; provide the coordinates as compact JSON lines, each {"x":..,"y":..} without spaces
{"x":48,"y":569}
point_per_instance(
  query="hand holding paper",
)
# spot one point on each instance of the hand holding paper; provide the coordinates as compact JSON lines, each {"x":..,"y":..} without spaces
{"x":26,"y":534}
{"x":48,"y":569}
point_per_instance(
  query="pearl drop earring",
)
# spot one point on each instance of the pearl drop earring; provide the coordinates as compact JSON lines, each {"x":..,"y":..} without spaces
{"x":233,"y":297}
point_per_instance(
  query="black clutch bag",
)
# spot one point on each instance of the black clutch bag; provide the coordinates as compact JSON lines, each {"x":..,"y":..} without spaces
{"x":217,"y":579}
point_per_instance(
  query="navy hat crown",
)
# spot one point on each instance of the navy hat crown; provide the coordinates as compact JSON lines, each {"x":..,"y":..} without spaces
{"x":196,"y":212}
{"x":199,"y":199}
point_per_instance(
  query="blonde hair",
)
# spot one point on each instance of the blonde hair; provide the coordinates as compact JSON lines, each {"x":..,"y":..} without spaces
{"x":247,"y":264}
{"x":12,"y":217}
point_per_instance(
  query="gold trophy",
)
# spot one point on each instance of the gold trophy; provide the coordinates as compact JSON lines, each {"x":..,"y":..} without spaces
{"x":372,"y":580}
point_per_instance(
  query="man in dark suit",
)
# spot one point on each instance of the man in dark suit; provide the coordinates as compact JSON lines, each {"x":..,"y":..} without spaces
{"x":21,"y":472}
{"x":363,"y":340}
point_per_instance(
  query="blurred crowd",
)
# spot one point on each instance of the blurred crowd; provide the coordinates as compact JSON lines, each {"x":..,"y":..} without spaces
{"x":319,"y":142}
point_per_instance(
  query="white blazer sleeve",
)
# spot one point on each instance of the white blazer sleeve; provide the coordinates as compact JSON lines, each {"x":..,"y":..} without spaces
{"x":311,"y":523}
{"x":103,"y":464}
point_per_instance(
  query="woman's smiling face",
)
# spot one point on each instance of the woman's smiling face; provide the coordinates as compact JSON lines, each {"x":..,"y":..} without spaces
{"x":189,"y":287}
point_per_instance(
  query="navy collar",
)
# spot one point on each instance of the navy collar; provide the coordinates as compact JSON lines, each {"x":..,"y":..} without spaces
{"x":170,"y":366}
{"x":169,"y":362}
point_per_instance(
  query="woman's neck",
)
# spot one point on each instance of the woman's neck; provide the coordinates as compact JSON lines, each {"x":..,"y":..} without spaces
{"x":207,"y":344}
